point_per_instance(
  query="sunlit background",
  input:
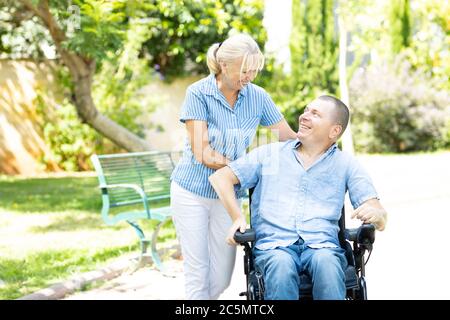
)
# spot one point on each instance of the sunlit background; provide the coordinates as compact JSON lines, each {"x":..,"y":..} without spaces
{"x":62,"y":63}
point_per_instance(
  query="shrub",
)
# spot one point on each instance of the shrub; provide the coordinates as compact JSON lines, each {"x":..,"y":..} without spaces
{"x":395,"y":109}
{"x":70,"y":141}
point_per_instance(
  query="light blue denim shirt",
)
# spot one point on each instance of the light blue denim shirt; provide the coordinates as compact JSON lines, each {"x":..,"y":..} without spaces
{"x":290,"y":202}
{"x":230,"y":130}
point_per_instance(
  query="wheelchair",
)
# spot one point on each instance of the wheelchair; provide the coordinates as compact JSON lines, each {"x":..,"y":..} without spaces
{"x":362,"y":239}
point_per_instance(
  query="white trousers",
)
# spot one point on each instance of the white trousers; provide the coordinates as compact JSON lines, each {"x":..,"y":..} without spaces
{"x":202,"y":225}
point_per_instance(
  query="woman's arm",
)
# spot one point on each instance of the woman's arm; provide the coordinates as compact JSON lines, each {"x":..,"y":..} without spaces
{"x":284,"y":130}
{"x":203,"y":153}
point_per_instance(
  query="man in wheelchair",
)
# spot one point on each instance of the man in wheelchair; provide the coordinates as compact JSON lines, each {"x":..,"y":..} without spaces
{"x":299,"y":190}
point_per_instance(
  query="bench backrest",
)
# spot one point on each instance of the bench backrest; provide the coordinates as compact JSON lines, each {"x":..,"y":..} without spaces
{"x":149,"y":170}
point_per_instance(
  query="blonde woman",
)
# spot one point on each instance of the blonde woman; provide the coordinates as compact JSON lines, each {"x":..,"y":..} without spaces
{"x":221,"y":113}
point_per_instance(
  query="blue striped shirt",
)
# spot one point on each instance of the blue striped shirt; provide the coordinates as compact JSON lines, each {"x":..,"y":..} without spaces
{"x":230,"y":130}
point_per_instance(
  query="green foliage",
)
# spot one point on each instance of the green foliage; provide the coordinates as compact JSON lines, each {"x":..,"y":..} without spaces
{"x":430,"y":42}
{"x":400,"y":25}
{"x":71,"y":142}
{"x":314,"y":55}
{"x":116,"y":92}
{"x":102,"y":26}
{"x":117,"y":85}
{"x":128,"y":40}
{"x":419,"y":30}
{"x":181,"y":31}
{"x":396,"y":109}
{"x":21,"y":38}
{"x":91,"y":27}
{"x":314,"y":46}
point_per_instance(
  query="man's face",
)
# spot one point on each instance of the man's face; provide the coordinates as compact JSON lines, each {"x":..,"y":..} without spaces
{"x":317,"y":122}
{"x":235,"y":78}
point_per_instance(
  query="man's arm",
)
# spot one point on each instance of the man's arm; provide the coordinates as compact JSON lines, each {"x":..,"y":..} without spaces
{"x":371,"y":211}
{"x":223,"y":181}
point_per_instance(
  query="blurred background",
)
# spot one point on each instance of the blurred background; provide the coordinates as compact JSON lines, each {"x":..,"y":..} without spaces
{"x":72,"y":70}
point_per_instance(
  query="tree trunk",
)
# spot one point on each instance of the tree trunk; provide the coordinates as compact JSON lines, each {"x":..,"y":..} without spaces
{"x":82,"y":70}
{"x":89,"y":114}
{"x":347,"y":140}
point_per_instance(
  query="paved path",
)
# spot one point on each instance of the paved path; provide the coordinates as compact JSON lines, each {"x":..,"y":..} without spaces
{"x":149,"y":284}
{"x":410,"y":260}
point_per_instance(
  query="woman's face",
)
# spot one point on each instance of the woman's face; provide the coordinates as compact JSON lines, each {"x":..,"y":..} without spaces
{"x":236,"y":76}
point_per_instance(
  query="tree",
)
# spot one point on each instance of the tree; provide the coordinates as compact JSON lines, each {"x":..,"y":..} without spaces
{"x":429,"y":46}
{"x":314,"y":46}
{"x":384,"y":94}
{"x":314,"y":52}
{"x":400,"y":25}
{"x":345,"y":14}
{"x":181,"y":31}
{"x":175,"y":37}
{"x":347,"y":139}
{"x":101,"y":23}
{"x":353,"y":18}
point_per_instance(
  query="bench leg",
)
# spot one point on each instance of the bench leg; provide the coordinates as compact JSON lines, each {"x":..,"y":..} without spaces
{"x":144,"y":245}
{"x":155,"y":254}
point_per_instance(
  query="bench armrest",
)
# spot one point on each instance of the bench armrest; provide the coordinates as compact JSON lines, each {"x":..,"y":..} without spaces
{"x":249,"y":235}
{"x":364,"y":235}
{"x":127,"y":186}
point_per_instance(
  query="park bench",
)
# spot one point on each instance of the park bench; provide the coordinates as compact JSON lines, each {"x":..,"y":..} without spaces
{"x":134,"y":183}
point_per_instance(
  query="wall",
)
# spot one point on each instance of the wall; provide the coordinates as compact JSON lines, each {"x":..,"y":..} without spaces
{"x":21,"y":142}
{"x":166,"y":132}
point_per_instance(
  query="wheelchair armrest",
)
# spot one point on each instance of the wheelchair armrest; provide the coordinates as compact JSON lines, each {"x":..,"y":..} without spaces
{"x":364,"y":235}
{"x":248,"y":236}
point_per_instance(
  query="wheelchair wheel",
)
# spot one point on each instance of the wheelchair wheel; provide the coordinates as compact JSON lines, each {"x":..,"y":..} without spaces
{"x":361,"y":292}
{"x":255,"y":287}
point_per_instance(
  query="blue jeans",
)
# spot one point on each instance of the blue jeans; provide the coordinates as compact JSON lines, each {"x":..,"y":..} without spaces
{"x":281,"y":268}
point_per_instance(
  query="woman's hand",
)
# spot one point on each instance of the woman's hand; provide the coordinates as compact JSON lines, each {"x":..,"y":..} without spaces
{"x":203,"y":153}
{"x":283,"y":130}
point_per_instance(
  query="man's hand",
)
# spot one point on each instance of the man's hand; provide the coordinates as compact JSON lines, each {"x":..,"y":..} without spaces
{"x":371,"y":211}
{"x":239,"y":224}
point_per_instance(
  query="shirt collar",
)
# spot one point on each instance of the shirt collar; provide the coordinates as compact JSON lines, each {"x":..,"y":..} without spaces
{"x":243,"y":92}
{"x":210,"y":87}
{"x":297,"y":144}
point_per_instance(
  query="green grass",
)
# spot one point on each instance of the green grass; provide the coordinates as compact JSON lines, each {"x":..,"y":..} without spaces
{"x":52,"y":230}
{"x":50,"y":194}
{"x":39,"y":270}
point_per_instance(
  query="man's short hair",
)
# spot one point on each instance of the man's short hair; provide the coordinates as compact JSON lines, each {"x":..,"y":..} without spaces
{"x":341,"y":114}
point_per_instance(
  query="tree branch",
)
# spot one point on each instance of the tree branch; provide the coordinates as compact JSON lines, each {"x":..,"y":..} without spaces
{"x":82,"y":70}
{"x":43,"y":12}
{"x":28,"y":5}
{"x":74,"y":62}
